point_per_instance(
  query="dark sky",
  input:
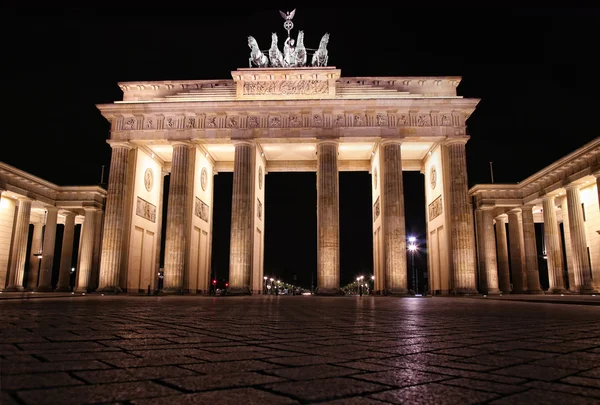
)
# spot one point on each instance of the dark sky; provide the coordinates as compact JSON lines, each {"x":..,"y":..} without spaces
{"x":534,"y":71}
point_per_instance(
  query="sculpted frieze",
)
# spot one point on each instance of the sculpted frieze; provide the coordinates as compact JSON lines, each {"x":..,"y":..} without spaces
{"x":286,"y":87}
{"x":291,"y":120}
{"x":253,"y":121}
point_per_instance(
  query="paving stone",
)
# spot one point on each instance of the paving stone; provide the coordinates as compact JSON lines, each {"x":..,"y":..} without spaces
{"x":577,"y":380}
{"x":536,"y":372}
{"x":95,"y":393}
{"x":434,"y":394}
{"x":225,"y":397}
{"x":7,"y":399}
{"x":354,"y":401}
{"x":401,"y":377}
{"x":324,"y":389}
{"x":312,"y":372}
{"x":28,"y":368}
{"x":43,"y":380}
{"x":537,"y":396}
{"x":481,"y":385}
{"x":570,"y":389}
{"x":151,"y":361}
{"x":305,"y":349}
{"x":132,"y":374}
{"x":215,"y":381}
{"x":226,"y":367}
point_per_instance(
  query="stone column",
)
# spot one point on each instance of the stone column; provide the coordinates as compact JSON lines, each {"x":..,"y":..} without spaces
{"x":34,"y":261}
{"x":112,"y":235}
{"x":177,"y":228}
{"x":488,"y":252}
{"x":242,"y":209}
{"x":18,"y":255}
{"x":84,"y":270}
{"x":531,"y":255}
{"x":98,"y":218}
{"x":462,"y":236}
{"x":597,"y":175}
{"x":581,"y":265}
{"x":45,"y":280}
{"x":517,"y":254}
{"x":66,"y":256}
{"x":502,"y":247}
{"x":328,"y":221}
{"x":553,"y":250}
{"x":393,"y":224}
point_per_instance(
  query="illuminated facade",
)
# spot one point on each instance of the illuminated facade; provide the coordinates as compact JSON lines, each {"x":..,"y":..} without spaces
{"x":29,"y":204}
{"x":564,"y":198}
{"x":266,"y":120}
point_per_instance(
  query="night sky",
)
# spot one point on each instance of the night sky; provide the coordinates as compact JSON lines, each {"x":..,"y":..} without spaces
{"x":535,"y":72}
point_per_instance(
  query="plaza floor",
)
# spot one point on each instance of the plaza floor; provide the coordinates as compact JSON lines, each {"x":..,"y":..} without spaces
{"x":297,"y":350}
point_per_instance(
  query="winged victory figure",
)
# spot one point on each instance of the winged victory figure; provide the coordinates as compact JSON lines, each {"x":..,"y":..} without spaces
{"x":289,"y":15}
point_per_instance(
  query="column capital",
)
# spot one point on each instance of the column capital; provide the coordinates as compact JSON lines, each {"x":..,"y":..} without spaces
{"x":391,"y":141}
{"x":322,"y":141}
{"x":246,"y":142}
{"x":51,"y":208}
{"x":527,"y":207}
{"x":119,"y":144}
{"x":91,"y":209}
{"x":185,"y":143}
{"x":547,"y":197}
{"x":502,"y":218}
{"x":516,"y":210}
{"x":596,"y":174}
{"x":571,"y":186}
{"x":67,"y":213}
{"x":456,"y":140}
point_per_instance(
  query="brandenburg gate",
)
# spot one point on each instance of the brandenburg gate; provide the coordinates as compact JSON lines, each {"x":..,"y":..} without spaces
{"x":284,"y":113}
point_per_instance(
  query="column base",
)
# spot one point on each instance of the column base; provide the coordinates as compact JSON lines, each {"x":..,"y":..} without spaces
{"x":556,"y":291}
{"x":172,"y":291}
{"x":584,"y":291}
{"x":399,"y":292}
{"x":109,"y":290}
{"x":464,"y":291}
{"x":494,"y":291}
{"x":330,"y":292}
{"x":14,"y":288}
{"x":63,"y":289}
{"x":44,"y":288}
{"x":80,"y":290}
{"x":239,"y":291}
{"x":535,"y":291}
{"x":505,"y":292}
{"x":520,"y":292}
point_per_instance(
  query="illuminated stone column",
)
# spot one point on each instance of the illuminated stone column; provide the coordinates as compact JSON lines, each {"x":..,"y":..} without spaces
{"x":531,"y":256}
{"x":112,"y":235}
{"x":45,"y":280}
{"x":581,"y":265}
{"x":597,"y":175}
{"x":18,"y":255}
{"x":328,"y":221}
{"x":517,"y":253}
{"x":394,"y":227}
{"x":84,"y":269}
{"x":34,"y":261}
{"x":66,"y":256}
{"x":502,"y":248}
{"x":242,"y":209}
{"x":462,"y":236}
{"x":487,"y":250}
{"x":94,"y":277}
{"x":177,"y":229}
{"x":553,"y":250}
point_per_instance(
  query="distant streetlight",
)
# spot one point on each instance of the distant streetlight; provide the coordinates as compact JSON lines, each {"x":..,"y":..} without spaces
{"x":412,"y":248}
{"x":265,"y":284}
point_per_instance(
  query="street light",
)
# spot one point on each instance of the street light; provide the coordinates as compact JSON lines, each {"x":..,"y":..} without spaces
{"x":265,"y":285}
{"x":412,"y":248}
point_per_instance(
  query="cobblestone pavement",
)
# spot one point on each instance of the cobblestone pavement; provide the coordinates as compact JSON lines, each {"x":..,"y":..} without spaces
{"x":297,"y":350}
